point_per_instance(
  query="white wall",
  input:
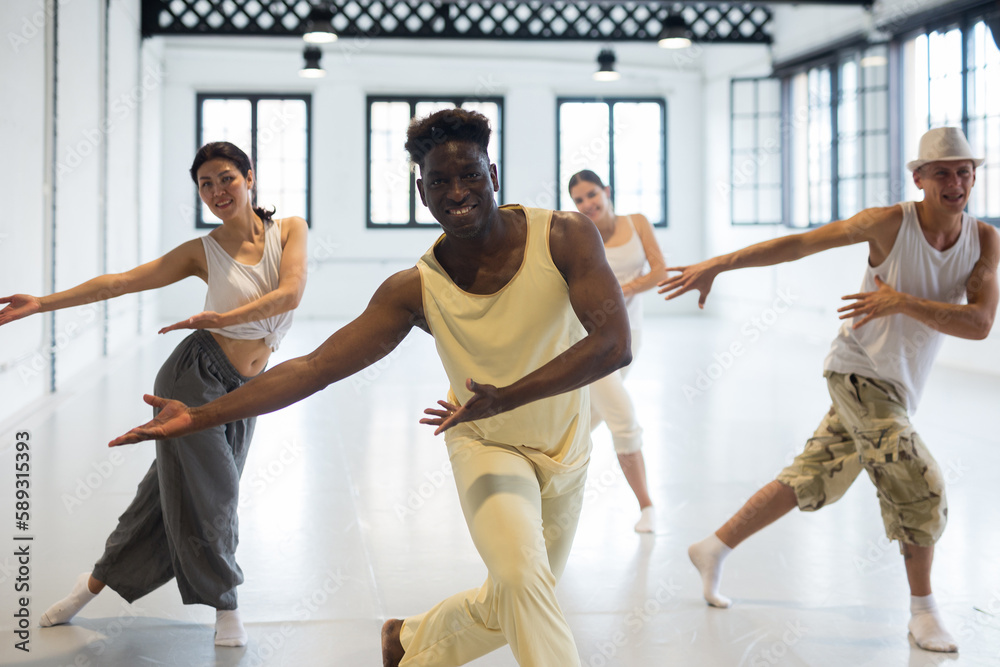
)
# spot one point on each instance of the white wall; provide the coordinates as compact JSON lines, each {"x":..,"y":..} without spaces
{"x":97,"y":223}
{"x":348,"y":260}
{"x":23,"y":364}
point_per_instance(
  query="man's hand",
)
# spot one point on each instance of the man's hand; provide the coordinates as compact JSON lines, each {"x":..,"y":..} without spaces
{"x":204,"y":320}
{"x":485,"y":402}
{"x":21,"y":305}
{"x":883,"y":301}
{"x":174,"y":419}
{"x":694,"y":277}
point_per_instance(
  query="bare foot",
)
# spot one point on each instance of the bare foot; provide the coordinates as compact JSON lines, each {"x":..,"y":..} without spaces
{"x":392,"y":650}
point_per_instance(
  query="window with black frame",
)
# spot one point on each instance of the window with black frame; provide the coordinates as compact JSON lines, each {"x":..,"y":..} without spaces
{"x":623,"y":140}
{"x":755,"y":155}
{"x":393,"y":201}
{"x":274,"y":131}
{"x":837,"y":156}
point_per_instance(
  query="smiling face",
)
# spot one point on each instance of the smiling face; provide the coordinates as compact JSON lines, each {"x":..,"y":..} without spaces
{"x":223,"y":188}
{"x":946,"y":183}
{"x":456,"y":184}
{"x":592,"y":200}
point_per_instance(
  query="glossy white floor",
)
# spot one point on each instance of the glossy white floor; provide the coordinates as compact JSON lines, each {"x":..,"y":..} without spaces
{"x":349,"y":516}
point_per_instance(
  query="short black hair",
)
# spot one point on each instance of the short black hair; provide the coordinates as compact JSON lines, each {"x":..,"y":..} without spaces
{"x":443,"y":127}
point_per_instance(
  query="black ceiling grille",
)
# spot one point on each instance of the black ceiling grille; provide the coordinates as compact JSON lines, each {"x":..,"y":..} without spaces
{"x":461,"y":19}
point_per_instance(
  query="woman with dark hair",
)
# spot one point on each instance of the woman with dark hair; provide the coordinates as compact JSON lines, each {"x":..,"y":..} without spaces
{"x":182,"y":523}
{"x":630,"y":245}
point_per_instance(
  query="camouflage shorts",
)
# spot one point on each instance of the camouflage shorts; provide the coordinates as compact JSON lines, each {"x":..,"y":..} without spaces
{"x":867,"y":427}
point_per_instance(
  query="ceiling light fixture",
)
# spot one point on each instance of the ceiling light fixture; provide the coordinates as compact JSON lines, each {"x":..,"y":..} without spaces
{"x":319,"y":26}
{"x":312,"y":68}
{"x":606,"y":71}
{"x":675,"y":33}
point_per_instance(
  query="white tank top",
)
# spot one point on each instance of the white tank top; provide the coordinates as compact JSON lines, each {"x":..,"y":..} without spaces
{"x":499,"y":338}
{"x":899,"y":348}
{"x":627,"y":261}
{"x":231,"y":285}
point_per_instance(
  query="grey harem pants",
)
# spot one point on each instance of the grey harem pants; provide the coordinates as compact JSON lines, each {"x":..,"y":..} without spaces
{"x":182,"y":523}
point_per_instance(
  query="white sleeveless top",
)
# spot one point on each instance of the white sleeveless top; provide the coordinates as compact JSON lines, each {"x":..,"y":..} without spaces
{"x":899,"y":348}
{"x":499,"y":338}
{"x":627,"y":261}
{"x":231,"y":285}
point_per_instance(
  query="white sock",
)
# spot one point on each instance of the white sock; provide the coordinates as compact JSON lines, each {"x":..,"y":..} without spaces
{"x":707,"y":556}
{"x":62,"y":611}
{"x":229,"y":628}
{"x":927,"y":627}
{"x":647,"y":520}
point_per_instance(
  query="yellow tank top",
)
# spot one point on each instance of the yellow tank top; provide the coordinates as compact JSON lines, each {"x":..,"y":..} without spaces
{"x":499,"y":338}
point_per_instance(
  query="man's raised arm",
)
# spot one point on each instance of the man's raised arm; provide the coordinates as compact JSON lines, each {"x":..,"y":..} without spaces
{"x":391,"y":313}
{"x":877,"y":226}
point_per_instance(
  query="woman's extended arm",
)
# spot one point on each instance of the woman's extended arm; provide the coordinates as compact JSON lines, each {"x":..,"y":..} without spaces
{"x":185,"y":260}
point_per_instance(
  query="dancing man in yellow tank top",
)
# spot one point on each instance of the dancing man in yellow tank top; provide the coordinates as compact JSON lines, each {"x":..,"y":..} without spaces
{"x":525,"y":313}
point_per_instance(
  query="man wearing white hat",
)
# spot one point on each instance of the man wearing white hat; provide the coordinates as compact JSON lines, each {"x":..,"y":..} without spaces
{"x":924,"y":258}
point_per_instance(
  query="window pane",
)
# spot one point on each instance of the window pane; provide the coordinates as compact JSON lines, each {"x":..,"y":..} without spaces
{"x":281,"y":156}
{"x":584,"y":143}
{"x":744,"y":94}
{"x":983,"y":104}
{"x":639,"y":159}
{"x":755,"y":158}
{"x":389,"y":164}
{"x":945,"y":84}
{"x":225,"y":120}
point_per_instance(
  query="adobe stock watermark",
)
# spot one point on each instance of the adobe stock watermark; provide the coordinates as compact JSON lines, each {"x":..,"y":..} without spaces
{"x":373,"y":371}
{"x":775,"y":653}
{"x":751,"y":332}
{"x":118,"y":110}
{"x":417,"y":497}
{"x":90,"y":482}
{"x":635,"y":620}
{"x":33,"y":25}
{"x":264,"y":648}
{"x":265,"y":474}
{"x":35,"y":365}
{"x":876,"y":550}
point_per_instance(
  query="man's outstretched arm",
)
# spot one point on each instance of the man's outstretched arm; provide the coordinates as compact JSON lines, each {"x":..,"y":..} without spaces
{"x":877,"y":226}
{"x":391,"y":313}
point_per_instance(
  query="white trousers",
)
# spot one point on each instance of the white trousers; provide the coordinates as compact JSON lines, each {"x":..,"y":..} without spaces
{"x":611,"y":404}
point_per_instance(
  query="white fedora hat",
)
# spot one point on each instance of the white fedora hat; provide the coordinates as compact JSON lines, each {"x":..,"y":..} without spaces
{"x":943,"y":143}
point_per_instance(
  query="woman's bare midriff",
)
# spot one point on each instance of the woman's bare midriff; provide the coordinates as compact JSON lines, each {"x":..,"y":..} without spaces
{"x":248,"y":357}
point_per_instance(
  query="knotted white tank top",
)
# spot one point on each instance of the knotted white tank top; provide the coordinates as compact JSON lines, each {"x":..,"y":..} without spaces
{"x":232,"y":284}
{"x":899,"y":348}
{"x":499,"y":338}
{"x":627,"y":261}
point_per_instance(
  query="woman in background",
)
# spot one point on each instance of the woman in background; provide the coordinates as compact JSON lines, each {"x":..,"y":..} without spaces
{"x":182,"y":523}
{"x":630,"y":246}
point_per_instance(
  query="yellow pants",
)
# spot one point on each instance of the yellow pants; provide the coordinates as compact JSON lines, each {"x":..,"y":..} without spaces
{"x":522,"y":512}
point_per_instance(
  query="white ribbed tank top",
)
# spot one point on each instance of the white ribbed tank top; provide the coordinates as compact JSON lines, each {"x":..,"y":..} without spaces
{"x":898,"y":348}
{"x":231,"y":285}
